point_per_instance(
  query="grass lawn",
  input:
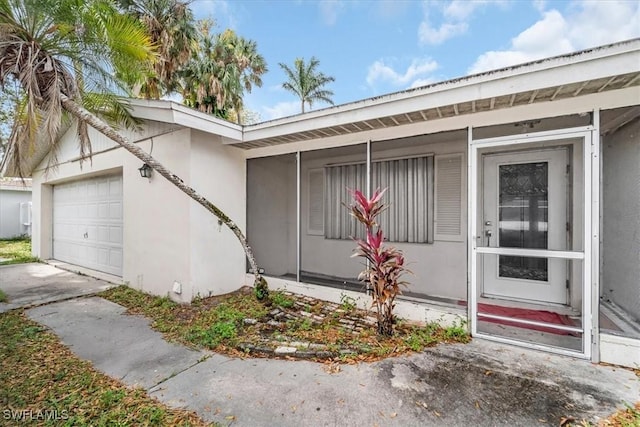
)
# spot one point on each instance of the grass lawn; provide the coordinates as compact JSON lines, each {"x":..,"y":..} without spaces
{"x":43,"y":383}
{"x":218,"y":323}
{"x":16,"y":251}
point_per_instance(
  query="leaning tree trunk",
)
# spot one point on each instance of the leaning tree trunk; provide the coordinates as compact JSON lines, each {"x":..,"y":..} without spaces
{"x":260,"y":284}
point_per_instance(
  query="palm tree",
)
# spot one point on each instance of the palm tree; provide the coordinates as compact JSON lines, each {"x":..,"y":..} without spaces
{"x":306,"y":82}
{"x":42,"y":45}
{"x":248,"y":64}
{"x":222,"y":68}
{"x":170,"y":25}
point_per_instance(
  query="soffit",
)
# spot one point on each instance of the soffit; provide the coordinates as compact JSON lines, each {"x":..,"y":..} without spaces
{"x":472,"y":106}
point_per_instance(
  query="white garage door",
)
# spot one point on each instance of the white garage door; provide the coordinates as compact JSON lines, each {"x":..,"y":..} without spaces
{"x":87,"y":223}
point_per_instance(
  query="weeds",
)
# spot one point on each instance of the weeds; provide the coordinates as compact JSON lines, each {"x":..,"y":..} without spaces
{"x":456,"y":331}
{"x":3,"y":296}
{"x":281,"y":300}
{"x":38,"y":372}
{"x":347,"y":303}
{"x":218,"y":323}
{"x":16,"y":251}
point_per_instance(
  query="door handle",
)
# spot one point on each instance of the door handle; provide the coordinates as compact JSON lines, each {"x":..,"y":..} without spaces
{"x":488,"y":232}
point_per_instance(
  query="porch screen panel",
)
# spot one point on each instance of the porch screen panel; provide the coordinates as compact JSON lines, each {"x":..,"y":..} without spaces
{"x":327,"y":175}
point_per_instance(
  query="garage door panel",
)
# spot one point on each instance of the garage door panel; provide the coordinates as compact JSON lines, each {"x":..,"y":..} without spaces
{"x":115,"y":235}
{"x":87,"y":223}
{"x":115,"y":210}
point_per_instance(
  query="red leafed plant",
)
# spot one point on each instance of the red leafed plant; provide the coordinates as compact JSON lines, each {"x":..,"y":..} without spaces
{"x":386,"y":264}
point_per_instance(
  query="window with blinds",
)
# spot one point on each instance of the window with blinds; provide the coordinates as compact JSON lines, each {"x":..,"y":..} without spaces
{"x":409,"y":198}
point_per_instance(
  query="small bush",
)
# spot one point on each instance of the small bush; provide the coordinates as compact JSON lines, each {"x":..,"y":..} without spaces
{"x":280,"y":299}
{"x":458,"y":331}
{"x":347,"y":303}
{"x":386,"y":264}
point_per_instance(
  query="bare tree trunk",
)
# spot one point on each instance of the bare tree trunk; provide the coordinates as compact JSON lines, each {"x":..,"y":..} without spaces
{"x":260,"y":284}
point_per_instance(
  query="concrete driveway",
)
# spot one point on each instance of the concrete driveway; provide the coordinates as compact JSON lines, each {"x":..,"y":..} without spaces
{"x":28,"y":285}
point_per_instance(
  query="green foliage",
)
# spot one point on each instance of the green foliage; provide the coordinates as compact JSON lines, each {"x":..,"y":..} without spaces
{"x":457,"y":331}
{"x":385,"y":266}
{"x":218,"y":323}
{"x":213,"y":336}
{"x":347,"y":303}
{"x":260,"y":288}
{"x":16,"y":251}
{"x":85,"y":59}
{"x":419,"y":338}
{"x":221,"y":68}
{"x":3,"y":296}
{"x":306,"y":82}
{"x":281,"y":300}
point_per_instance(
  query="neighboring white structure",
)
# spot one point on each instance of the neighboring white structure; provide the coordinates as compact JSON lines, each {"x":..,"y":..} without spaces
{"x":15,"y":207}
{"x":513,"y":193}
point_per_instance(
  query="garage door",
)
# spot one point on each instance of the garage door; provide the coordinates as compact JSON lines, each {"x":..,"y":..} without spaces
{"x":87,"y":223}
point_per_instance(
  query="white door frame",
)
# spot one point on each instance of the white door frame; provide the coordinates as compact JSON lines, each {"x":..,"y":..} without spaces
{"x":591,"y":148}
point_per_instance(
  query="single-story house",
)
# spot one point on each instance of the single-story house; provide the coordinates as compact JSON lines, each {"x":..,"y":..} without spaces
{"x":514,"y":194}
{"x":15,"y":207}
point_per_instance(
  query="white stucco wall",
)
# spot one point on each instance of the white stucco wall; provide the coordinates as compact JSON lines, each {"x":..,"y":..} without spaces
{"x":10,"y":221}
{"x":218,"y":171}
{"x":167,"y":237}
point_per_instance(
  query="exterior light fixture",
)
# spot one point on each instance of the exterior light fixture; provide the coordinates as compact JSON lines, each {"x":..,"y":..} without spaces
{"x":145,"y":171}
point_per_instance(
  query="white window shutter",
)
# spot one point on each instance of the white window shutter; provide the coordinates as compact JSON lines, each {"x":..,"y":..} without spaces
{"x":448,"y":200}
{"x":315,"y":224}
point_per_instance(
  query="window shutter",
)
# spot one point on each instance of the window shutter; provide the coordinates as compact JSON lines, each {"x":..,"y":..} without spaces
{"x":448,"y":203}
{"x":315,"y":224}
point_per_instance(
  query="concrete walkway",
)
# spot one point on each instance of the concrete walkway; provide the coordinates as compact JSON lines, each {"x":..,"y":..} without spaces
{"x":481,"y":383}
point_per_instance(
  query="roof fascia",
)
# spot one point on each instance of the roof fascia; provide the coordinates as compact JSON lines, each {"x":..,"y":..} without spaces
{"x":592,"y":64}
{"x":174,"y":113}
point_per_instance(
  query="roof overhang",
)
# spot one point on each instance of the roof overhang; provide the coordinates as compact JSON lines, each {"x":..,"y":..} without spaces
{"x":582,"y":73}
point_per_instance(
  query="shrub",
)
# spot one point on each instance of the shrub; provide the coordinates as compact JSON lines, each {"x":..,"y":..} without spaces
{"x":385,"y":264}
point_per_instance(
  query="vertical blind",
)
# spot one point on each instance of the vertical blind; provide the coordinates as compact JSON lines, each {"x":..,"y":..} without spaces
{"x":409,"y":198}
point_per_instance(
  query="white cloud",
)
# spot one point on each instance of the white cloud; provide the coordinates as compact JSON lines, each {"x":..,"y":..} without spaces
{"x":416,"y":72}
{"x":587,"y":24}
{"x":461,"y":10}
{"x":427,"y":34}
{"x":540,"y":5}
{"x":218,"y":10}
{"x":281,"y":109}
{"x":329,"y":10}
{"x":456,"y":16}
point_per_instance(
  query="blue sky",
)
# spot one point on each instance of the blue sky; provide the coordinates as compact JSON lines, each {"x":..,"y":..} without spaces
{"x":378,"y":47}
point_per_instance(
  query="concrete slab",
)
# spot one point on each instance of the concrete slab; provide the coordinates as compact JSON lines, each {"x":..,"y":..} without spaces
{"x":32,"y":284}
{"x":121,"y":346}
{"x":481,"y":383}
{"x":105,"y":277}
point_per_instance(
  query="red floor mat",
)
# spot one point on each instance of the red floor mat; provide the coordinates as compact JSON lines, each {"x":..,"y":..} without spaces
{"x":527,"y":314}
